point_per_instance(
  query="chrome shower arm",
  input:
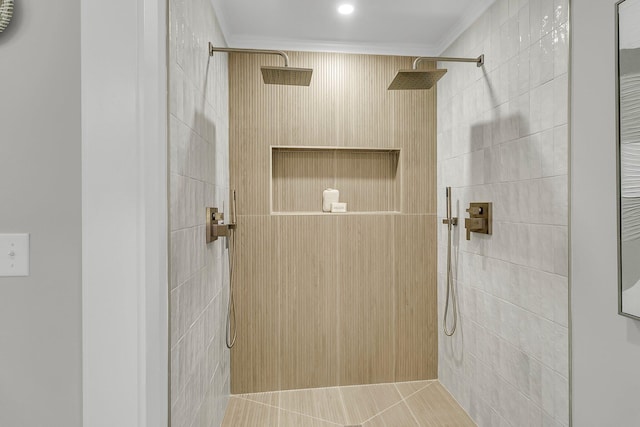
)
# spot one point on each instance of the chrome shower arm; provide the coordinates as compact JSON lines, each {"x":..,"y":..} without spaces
{"x":479,"y":60}
{"x":213,"y":49}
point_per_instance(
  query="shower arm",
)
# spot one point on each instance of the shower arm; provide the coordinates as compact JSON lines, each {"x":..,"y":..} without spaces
{"x":213,"y":49}
{"x":479,"y":60}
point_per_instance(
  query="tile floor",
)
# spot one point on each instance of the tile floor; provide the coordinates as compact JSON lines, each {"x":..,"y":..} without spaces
{"x":410,"y":404}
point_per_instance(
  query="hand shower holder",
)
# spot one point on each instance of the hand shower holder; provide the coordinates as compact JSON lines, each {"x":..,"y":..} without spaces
{"x":453,"y":221}
{"x":215,"y":226}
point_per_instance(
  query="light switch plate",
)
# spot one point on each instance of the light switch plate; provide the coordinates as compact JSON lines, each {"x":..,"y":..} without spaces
{"x":14,"y":255}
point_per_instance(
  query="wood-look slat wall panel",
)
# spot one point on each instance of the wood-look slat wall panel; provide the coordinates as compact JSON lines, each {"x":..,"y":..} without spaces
{"x":285,"y":263}
{"x":415,"y":238}
{"x":367,"y":181}
{"x":256,"y":355}
{"x":366,"y":309}
{"x":415,"y":132}
{"x":367,"y":108}
{"x":251,"y":160}
{"x":308,"y":320}
{"x":311,"y":113}
{"x":300,"y":177}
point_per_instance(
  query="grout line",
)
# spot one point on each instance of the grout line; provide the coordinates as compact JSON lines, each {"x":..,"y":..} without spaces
{"x":380,"y":413}
{"x":430,"y":382}
{"x":278,"y":418}
{"x":412,"y":414}
{"x":287,"y":410}
{"x":517,"y":348}
{"x":413,"y":394}
{"x":456,"y":400}
{"x":344,"y":407}
{"x":402,"y":399}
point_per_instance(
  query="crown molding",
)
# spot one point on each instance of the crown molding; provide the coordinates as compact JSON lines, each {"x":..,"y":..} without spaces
{"x":396,"y":49}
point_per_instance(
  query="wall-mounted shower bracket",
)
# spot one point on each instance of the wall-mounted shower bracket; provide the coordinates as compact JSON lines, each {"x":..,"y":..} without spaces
{"x":479,"y":61}
{"x":453,"y":221}
{"x":213,"y":49}
{"x":215,"y":227}
{"x":480,"y":218}
{"x":273,"y":75}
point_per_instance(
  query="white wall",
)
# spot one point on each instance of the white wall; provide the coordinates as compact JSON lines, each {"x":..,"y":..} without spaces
{"x":40,"y":315}
{"x":502,"y":138}
{"x":124,"y":214}
{"x":606,"y":346}
{"x":199,"y":177}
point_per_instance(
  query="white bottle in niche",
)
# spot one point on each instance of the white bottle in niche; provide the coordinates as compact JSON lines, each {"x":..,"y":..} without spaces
{"x":329,"y":196}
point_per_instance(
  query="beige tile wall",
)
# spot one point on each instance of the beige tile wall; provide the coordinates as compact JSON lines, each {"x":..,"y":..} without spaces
{"x":502,"y":137}
{"x":330,"y":300}
{"x":199,"y":177}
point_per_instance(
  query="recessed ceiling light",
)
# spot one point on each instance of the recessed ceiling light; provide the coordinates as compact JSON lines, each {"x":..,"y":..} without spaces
{"x":345,"y":9}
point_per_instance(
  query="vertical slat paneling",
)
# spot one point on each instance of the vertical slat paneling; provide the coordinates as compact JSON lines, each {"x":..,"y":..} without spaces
{"x":366,"y":336}
{"x":367,"y":181}
{"x":415,"y":132}
{"x":253,"y":126}
{"x":308,"y":314}
{"x":255,"y":359}
{"x":366,"y":107}
{"x":291,"y":333}
{"x":299,"y":178}
{"x":415,"y":238}
{"x":310,"y":113}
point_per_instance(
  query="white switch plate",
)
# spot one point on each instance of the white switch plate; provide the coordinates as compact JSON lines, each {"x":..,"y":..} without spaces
{"x":14,"y":255}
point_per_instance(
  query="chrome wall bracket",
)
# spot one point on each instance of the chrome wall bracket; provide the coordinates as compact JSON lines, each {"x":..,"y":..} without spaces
{"x":480,"y":219}
{"x":215,"y":226}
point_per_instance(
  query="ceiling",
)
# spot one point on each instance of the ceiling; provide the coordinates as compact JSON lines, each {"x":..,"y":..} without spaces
{"x":400,"y":27}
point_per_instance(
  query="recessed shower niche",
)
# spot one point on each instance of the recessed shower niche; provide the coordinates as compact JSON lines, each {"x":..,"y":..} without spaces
{"x":368,"y":178}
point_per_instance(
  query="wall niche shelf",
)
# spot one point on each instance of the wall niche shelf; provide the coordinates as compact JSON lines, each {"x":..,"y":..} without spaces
{"x":368,"y":179}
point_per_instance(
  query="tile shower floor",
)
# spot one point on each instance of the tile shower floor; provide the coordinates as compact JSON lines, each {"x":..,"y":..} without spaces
{"x":410,"y":404}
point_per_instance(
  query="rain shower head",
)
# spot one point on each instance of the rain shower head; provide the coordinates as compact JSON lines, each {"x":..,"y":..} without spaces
{"x":286,"y":76}
{"x":415,"y":79}
{"x":274,"y":75}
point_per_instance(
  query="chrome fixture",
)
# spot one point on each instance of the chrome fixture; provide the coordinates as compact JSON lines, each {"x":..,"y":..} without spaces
{"x":480,"y":217}
{"x":274,"y":75}
{"x":451,"y":301}
{"x":415,"y":79}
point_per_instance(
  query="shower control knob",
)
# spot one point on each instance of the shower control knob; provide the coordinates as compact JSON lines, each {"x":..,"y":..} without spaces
{"x":475,"y":210}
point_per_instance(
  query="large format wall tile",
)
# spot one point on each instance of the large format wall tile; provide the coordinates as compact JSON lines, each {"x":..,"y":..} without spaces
{"x":199,"y":177}
{"x":502,"y":138}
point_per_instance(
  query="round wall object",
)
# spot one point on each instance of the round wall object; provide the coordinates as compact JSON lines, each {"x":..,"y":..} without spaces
{"x":6,"y":12}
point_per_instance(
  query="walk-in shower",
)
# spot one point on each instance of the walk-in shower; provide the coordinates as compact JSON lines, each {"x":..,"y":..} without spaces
{"x":274,"y":75}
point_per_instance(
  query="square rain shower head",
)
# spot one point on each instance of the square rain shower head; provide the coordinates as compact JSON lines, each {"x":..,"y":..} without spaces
{"x":286,"y":76}
{"x":416,"y":79}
